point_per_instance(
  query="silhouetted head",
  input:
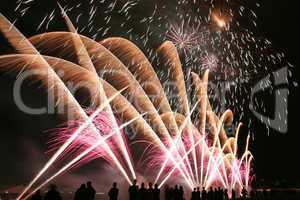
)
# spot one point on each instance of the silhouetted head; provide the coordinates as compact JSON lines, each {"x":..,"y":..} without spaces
{"x":203,"y":188}
{"x":156,"y":186}
{"x":150,"y":185}
{"x":143,"y":185}
{"x":198,"y":189}
{"x":194,"y":189}
{"x":89,"y":184}
{"x":176,"y":186}
{"x":52,"y":187}
{"x":82,"y":186}
{"x":114,"y":185}
{"x":181,"y":188}
{"x":134,"y":182}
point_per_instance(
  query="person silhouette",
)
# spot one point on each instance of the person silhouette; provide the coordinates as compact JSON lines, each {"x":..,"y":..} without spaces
{"x":81,"y":193}
{"x":52,"y":194}
{"x":150,"y":191}
{"x":203,"y":194}
{"x":37,"y":195}
{"x":156,"y":192}
{"x":181,"y":193}
{"x":171,"y":193}
{"x":198,"y":193}
{"x":113,"y":192}
{"x":167,"y":192}
{"x":90,"y":191}
{"x":215,"y":194}
{"x":194,"y":194}
{"x":176,"y":193}
{"x":210,"y":194}
{"x":142,"y":192}
{"x":220,"y":194}
{"x":133,"y":191}
{"x":226,"y":194}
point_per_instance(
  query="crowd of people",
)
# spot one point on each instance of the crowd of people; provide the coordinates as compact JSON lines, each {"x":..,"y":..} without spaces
{"x":152,"y":192}
{"x":84,"y":192}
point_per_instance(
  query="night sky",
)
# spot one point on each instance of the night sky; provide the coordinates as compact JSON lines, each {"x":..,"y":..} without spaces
{"x":23,"y":137}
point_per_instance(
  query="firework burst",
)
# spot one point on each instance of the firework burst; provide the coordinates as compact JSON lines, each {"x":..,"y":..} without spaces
{"x":205,"y":36}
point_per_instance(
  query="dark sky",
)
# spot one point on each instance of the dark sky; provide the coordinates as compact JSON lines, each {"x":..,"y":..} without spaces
{"x":22,"y":139}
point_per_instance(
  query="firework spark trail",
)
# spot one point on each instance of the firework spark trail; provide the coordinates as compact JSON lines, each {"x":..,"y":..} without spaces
{"x":238,"y":169}
{"x":216,"y":169}
{"x":186,"y":154}
{"x":14,"y":37}
{"x":88,"y":122}
{"x":192,"y":140}
{"x":202,"y":87}
{"x":83,"y":154}
{"x":244,"y":156}
{"x":201,"y":90}
{"x":86,"y":61}
{"x":234,"y":55}
{"x":173,"y":147}
{"x":246,"y":151}
{"x":178,"y":137}
{"x":217,"y":162}
{"x":235,"y":168}
{"x":235,"y":174}
{"x":154,"y":117}
{"x":173,"y":169}
{"x":216,"y":139}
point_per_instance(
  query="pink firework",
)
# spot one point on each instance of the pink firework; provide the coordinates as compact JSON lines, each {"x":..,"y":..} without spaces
{"x":210,"y":62}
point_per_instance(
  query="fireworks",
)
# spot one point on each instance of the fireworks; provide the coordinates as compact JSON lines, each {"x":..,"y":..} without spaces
{"x":190,"y":152}
{"x":123,"y":85}
{"x":210,"y":62}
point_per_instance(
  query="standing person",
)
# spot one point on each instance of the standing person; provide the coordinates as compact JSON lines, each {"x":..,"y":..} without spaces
{"x":167,"y":193}
{"x":226,"y":194}
{"x":90,"y":191}
{"x":216,"y":194}
{"x":176,"y":192}
{"x":52,"y":194}
{"x":133,"y":191}
{"x":142,"y":192}
{"x":150,"y":192}
{"x":210,"y":194}
{"x":220,"y":193}
{"x":198,"y":193}
{"x":156,"y":192}
{"x":113,"y":192}
{"x":203,"y":194}
{"x":194,"y":194}
{"x":81,"y":193}
{"x":171,"y":191}
{"x":37,"y":196}
{"x":181,"y":193}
